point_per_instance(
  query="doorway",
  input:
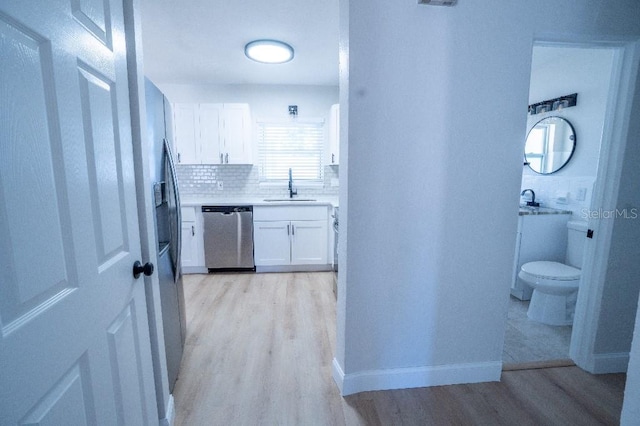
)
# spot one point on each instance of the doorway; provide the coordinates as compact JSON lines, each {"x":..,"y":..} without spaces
{"x":558,"y":70}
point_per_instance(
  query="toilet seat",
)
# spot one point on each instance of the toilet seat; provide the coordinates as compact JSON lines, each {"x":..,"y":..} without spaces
{"x":551,"y":277}
{"x":551,"y":270}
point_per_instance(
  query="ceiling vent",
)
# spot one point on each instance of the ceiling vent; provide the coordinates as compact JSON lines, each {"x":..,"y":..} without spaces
{"x":438,"y":2}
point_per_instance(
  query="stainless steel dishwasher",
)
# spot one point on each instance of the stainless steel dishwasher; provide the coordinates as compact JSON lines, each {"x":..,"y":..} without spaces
{"x":228,"y":237}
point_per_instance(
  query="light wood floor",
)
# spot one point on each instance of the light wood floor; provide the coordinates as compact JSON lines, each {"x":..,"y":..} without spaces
{"x":259,"y":351}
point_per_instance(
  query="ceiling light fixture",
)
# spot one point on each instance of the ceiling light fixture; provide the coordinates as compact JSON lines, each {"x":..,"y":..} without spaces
{"x":269,"y":51}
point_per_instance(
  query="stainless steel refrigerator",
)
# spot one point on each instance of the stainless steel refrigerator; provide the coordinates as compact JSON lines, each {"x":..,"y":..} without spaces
{"x":168,"y":226}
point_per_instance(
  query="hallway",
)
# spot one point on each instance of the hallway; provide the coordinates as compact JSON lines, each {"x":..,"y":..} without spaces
{"x":259,"y":351}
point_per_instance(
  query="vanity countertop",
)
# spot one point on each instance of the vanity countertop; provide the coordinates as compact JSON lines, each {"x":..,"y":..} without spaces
{"x":527,"y":210}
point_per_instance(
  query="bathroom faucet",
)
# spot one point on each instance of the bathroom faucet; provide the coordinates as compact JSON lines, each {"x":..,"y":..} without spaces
{"x":292,"y":192}
{"x":531,"y":203}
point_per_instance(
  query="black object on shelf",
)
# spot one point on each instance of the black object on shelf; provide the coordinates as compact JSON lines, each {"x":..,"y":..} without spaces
{"x":554,"y":104}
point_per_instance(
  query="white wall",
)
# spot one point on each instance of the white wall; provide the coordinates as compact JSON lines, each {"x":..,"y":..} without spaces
{"x":558,"y":71}
{"x":631,"y":406}
{"x":429,"y":244}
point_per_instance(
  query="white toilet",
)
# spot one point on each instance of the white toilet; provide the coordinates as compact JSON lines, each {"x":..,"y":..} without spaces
{"x":555,"y":285}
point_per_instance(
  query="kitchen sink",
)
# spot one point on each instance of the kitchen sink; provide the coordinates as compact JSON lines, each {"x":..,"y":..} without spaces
{"x":288,"y":199}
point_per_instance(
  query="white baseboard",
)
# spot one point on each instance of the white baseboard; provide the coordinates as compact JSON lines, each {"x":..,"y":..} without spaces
{"x":610,"y":363}
{"x":294,"y":268}
{"x":415,"y":377}
{"x":194,"y":270}
{"x":171,"y":413}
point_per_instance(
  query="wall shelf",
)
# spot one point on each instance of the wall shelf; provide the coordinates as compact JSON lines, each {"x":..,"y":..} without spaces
{"x":554,"y":104}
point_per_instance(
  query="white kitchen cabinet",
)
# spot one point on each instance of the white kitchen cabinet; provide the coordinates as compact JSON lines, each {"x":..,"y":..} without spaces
{"x":213,"y":133}
{"x":334,"y":135}
{"x":290,"y":236}
{"x":272,"y":242}
{"x":539,"y":237}
{"x":309,"y":241}
{"x":186,"y":133}
{"x":210,"y":123}
{"x":192,"y":253}
{"x":235,"y":140}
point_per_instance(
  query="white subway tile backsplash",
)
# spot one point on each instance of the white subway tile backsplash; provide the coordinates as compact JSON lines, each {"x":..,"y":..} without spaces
{"x":243,"y":181}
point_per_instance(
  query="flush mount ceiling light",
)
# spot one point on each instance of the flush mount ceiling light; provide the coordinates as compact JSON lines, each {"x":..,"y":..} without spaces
{"x":269,"y":51}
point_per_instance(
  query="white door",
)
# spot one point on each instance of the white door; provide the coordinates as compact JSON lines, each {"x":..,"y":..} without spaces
{"x":309,"y":242}
{"x":74,"y":339}
{"x":186,"y":133}
{"x":189,"y":245}
{"x":271,"y":244}
{"x":209,"y":121}
{"x":237,"y":133}
{"x":334,"y":135}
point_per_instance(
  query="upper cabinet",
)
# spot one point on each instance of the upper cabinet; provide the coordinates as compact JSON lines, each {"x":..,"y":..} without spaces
{"x":334,"y":135}
{"x":213,"y":133}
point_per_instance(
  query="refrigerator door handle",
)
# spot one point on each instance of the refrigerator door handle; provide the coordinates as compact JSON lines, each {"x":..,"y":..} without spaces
{"x":171,"y":170}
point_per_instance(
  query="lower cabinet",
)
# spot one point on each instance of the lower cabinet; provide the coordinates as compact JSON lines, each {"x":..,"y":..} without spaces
{"x":192,"y":253}
{"x":297,"y":242}
{"x":272,"y":243}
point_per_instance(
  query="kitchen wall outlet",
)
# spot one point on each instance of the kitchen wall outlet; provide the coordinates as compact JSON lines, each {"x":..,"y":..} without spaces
{"x":220,"y":185}
{"x":581,"y":194}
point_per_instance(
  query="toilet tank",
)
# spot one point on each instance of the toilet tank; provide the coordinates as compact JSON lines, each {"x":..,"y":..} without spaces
{"x":577,"y":233}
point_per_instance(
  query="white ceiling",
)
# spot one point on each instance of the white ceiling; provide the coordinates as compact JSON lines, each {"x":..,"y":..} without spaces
{"x":202,"y":41}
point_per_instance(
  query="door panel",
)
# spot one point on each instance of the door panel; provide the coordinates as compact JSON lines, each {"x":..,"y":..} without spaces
{"x":271,"y":244}
{"x":69,"y":398}
{"x":309,"y":242}
{"x":100,"y":121}
{"x":125,"y":358}
{"x":94,"y":15}
{"x":186,"y":133}
{"x":26,"y":62}
{"x":209,"y":125}
{"x":74,"y":342}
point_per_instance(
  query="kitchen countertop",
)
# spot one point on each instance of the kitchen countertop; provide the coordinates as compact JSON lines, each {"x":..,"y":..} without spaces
{"x":527,"y":210}
{"x":187,"y":201}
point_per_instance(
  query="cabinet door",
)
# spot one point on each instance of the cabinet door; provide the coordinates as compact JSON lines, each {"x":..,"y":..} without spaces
{"x":271,"y":244}
{"x":189,"y":245}
{"x":210,"y":121}
{"x":186,"y":133}
{"x":309,"y":242}
{"x":334,"y":135}
{"x":236,"y":141}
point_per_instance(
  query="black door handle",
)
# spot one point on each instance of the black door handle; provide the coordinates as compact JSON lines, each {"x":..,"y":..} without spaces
{"x":139,"y":268}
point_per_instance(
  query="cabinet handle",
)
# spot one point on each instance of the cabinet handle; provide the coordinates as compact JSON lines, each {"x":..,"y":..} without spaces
{"x":221,"y":159}
{"x":193,"y":231}
{"x":226,"y":158}
{"x":333,"y":158}
{"x":179,"y":158}
{"x":293,"y":230}
{"x":288,"y":231}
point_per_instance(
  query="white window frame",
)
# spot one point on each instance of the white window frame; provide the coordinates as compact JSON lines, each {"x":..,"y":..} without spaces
{"x":273,"y":166}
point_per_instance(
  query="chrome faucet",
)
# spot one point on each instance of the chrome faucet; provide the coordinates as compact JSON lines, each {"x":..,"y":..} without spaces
{"x":531,"y":203}
{"x":292,"y":192}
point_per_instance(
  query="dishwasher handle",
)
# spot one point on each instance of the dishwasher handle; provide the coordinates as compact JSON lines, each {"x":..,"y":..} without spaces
{"x":226,"y":209}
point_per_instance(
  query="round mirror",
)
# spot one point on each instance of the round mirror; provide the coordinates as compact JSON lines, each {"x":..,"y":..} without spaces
{"x":550,"y":145}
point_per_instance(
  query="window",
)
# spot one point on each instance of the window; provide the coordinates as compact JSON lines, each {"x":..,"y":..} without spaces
{"x":296,"y":145}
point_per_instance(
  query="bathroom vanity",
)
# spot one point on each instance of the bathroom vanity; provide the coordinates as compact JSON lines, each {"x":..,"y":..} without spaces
{"x":541,"y":235}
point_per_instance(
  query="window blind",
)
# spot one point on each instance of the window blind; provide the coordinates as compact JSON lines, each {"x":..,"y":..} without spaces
{"x":295,"y":145}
